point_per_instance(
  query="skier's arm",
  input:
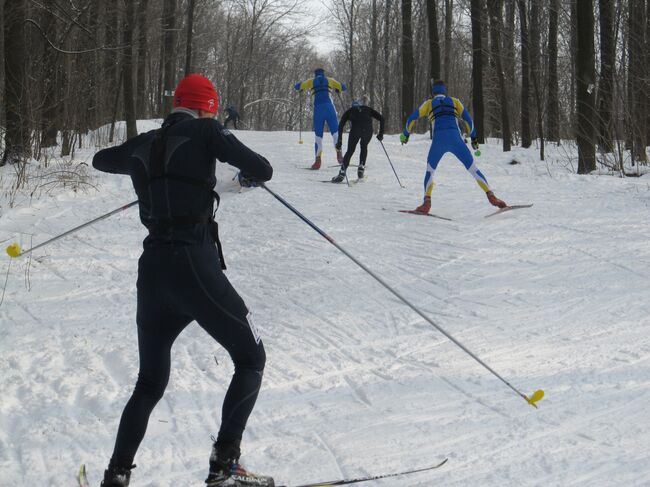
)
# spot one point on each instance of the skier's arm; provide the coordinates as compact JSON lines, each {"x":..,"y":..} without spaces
{"x":335,"y":85}
{"x":467,"y":118}
{"x":115,"y":160}
{"x":227,"y":148}
{"x":305,"y":85}
{"x":422,"y":111}
{"x":380,"y":117}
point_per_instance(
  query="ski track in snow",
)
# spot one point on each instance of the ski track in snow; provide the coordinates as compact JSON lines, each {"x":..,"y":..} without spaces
{"x":552,"y":297}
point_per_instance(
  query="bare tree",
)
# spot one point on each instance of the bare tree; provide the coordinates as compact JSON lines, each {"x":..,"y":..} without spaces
{"x":553,"y":108}
{"x":169,"y":58}
{"x":408,"y":69}
{"x":434,"y":40}
{"x":585,"y":79}
{"x":449,"y":8}
{"x":606,"y":81}
{"x":526,"y":139}
{"x":128,"y":68}
{"x":477,"y":69}
{"x":189,"y":33}
{"x":141,"y":106}
{"x":17,"y":131}
{"x":495,"y":8}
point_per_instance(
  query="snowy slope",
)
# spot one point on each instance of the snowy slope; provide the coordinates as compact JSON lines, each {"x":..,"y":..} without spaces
{"x":553,"y":297}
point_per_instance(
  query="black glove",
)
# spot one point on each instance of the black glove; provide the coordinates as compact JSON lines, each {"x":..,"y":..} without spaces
{"x":475,"y":144}
{"x":245,"y":182}
{"x":338,"y":145}
{"x":380,"y":136}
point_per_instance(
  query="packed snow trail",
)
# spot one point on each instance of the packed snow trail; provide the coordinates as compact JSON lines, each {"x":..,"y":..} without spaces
{"x":553,"y":297}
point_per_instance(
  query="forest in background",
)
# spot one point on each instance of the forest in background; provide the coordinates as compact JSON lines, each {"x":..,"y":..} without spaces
{"x":530,"y":71}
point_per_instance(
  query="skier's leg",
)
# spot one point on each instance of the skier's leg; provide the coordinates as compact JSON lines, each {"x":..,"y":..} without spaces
{"x":463,"y":153}
{"x":158,"y":327}
{"x":436,"y":152}
{"x":219,"y":310}
{"x":319,"y":127}
{"x":333,"y":125}
{"x":365,"y":140}
{"x":353,"y":139}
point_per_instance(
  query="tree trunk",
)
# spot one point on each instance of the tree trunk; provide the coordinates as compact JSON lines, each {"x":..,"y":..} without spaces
{"x":374,"y":48}
{"x":15,"y":95}
{"x":188,"y":42}
{"x":127,"y":69}
{"x":434,"y":40}
{"x":525,"y":76}
{"x":553,"y":106}
{"x":141,"y":105}
{"x":169,"y":60}
{"x":637,"y":73}
{"x":386,"y":59}
{"x":408,"y":69}
{"x":477,"y":69}
{"x":536,"y":72}
{"x":496,"y":27}
{"x":449,"y":6}
{"x":351,"y":29}
{"x":50,"y":109}
{"x":606,"y":83}
{"x":111,"y":68}
{"x":585,"y":78}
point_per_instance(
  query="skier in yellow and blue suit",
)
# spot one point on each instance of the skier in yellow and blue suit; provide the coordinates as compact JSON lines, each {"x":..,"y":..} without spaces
{"x":324,"y":110}
{"x":445,"y":113}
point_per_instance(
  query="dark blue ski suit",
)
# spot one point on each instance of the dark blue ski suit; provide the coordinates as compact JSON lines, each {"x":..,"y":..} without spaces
{"x":180,"y":279}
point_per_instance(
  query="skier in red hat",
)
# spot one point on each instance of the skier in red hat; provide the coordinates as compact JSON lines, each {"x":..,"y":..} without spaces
{"x":180,"y":276}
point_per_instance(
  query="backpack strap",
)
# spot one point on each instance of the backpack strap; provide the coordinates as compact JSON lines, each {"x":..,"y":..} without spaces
{"x":157,"y":172}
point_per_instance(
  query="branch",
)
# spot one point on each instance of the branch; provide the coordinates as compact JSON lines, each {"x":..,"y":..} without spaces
{"x":102,"y":48}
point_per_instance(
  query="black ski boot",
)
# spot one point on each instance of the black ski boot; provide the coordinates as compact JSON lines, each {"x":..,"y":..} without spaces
{"x":339,"y":177}
{"x":116,"y":476}
{"x":362,"y":167}
{"x":225,"y":470}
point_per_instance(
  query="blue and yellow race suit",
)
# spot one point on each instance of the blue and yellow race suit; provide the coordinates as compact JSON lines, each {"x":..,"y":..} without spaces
{"x":445,"y":113}
{"x":324,"y":111}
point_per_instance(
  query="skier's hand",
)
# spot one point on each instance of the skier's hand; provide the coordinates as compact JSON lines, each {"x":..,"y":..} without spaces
{"x":403,"y":138}
{"x":338,"y":145}
{"x":380,"y":136}
{"x":297,"y":87}
{"x":246,"y":182}
{"x":475,"y":144}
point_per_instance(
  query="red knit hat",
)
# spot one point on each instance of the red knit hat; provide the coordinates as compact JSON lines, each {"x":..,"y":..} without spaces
{"x":197,"y":93}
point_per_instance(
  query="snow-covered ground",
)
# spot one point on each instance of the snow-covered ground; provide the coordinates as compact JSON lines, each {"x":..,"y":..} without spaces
{"x":555,"y":297}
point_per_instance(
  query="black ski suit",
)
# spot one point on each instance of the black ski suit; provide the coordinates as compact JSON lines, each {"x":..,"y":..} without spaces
{"x":179,"y":274}
{"x":361,"y":130}
{"x":233,"y":116}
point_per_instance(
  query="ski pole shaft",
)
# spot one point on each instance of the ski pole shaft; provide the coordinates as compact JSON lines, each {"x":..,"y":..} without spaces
{"x":15,"y":251}
{"x":391,"y":163}
{"x":534,"y":398}
{"x":300,"y":116}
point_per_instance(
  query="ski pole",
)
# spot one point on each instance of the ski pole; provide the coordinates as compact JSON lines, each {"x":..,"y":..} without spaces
{"x":532,"y":400}
{"x":391,"y":163}
{"x":14,"y":249}
{"x":300,"y":117}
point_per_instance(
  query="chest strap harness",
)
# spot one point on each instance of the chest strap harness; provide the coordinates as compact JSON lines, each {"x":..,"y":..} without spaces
{"x":157,"y":172}
{"x":441,"y":109}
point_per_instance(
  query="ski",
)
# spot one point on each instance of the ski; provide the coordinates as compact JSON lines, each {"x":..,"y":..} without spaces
{"x":508,"y":208}
{"x":81,"y":476}
{"x":368,"y":478}
{"x":358,"y":180}
{"x":413,"y":212}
